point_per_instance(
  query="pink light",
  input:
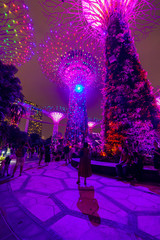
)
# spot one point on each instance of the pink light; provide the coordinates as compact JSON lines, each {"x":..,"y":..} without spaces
{"x":91,"y":124}
{"x":158,"y":101}
{"x":97,"y":12}
{"x":57,"y":116}
{"x":54,"y":57}
{"x":93,"y":16}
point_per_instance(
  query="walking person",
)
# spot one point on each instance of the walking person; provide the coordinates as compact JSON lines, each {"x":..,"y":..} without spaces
{"x":20,"y":153}
{"x":6,"y":165}
{"x":41,"y":153}
{"x":47,"y":154}
{"x":85,"y":164}
{"x":66,"y":153}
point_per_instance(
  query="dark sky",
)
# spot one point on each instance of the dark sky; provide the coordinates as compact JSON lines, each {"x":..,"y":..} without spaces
{"x":38,"y":89}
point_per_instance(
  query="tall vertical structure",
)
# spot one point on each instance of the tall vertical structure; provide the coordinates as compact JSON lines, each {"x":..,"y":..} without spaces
{"x":35,"y":113}
{"x":56,"y":113}
{"x":78,"y":69}
{"x":75,"y":68}
{"x":56,"y":117}
{"x":130,"y":110}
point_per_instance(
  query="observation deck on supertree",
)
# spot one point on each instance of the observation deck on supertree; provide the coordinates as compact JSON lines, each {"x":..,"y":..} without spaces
{"x":17,"y":41}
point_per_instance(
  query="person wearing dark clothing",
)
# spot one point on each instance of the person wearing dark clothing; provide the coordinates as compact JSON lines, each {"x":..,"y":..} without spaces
{"x":20,"y":153}
{"x":66,"y":153}
{"x":32,"y":150}
{"x":137,"y":166}
{"x":47,"y":154}
{"x":122,"y":168}
{"x":156,"y":158}
{"x":41,"y":153}
{"x":6,"y":165}
{"x":84,"y":169}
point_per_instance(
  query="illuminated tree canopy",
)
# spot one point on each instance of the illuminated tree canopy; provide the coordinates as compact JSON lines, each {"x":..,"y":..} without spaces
{"x":16,"y":32}
{"x":92,"y":16}
{"x":59,"y":49}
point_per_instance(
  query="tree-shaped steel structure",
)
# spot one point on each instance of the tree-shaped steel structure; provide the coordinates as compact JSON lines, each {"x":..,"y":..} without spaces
{"x":56,"y":113}
{"x":78,"y":70}
{"x":63,"y":59}
{"x":92,"y":16}
{"x":130,"y":111}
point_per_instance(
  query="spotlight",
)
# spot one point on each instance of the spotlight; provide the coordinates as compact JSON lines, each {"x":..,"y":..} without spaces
{"x":79,"y":88}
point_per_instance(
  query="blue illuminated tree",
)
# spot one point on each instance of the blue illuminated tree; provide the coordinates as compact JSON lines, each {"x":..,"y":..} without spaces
{"x":78,"y":70}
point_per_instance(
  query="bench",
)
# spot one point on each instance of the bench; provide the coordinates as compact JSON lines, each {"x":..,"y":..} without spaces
{"x":108,"y":168}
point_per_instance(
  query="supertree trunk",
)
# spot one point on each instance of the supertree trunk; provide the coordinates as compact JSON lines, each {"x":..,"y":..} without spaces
{"x":130,"y":111}
{"x":77,"y":125}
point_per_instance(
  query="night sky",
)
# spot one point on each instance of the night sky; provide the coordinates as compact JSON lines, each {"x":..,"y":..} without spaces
{"x":38,"y":89}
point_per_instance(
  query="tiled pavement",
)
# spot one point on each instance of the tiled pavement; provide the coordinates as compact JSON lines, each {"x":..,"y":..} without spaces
{"x":45,"y":203}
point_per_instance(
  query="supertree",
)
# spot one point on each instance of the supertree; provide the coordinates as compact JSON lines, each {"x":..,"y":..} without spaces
{"x":16,"y":32}
{"x":56,"y":113}
{"x":130,"y":111}
{"x":56,"y":117}
{"x":77,"y":69}
{"x":93,"y":17}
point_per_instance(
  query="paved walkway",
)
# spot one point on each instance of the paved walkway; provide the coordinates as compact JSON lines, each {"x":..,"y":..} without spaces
{"x":45,"y":203}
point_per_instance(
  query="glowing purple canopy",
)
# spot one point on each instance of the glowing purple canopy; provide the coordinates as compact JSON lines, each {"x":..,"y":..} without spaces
{"x":95,"y":14}
{"x":59,"y":49}
{"x":17,"y":43}
{"x":56,"y":116}
{"x":78,"y":67}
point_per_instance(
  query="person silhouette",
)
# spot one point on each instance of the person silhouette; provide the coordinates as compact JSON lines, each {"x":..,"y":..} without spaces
{"x":84,"y":169}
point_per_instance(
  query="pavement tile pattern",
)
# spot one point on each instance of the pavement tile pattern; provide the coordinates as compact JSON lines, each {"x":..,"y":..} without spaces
{"x":46,"y":203}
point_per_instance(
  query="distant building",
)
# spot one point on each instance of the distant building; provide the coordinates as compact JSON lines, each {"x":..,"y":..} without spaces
{"x":35,"y":113}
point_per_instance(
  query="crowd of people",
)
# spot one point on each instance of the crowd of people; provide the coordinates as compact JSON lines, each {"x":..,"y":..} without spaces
{"x":130,"y":164}
{"x":45,"y":151}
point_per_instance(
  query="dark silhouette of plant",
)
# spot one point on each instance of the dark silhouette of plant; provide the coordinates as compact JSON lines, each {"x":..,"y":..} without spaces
{"x":10,"y":89}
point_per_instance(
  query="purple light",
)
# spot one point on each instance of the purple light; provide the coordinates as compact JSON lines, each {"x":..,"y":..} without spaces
{"x":158,"y":101}
{"x":92,"y":124}
{"x":57,"y":116}
{"x":94,"y":15}
{"x":60,"y":61}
